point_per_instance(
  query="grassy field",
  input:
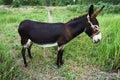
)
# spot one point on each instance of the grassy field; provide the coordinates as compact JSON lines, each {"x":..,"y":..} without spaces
{"x":81,"y":56}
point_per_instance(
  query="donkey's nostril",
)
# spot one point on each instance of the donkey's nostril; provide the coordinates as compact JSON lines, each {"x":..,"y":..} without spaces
{"x":98,"y":40}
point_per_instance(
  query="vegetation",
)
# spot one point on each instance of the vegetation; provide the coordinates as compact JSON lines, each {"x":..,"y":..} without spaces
{"x":7,"y":2}
{"x":56,"y":2}
{"x":81,"y":52}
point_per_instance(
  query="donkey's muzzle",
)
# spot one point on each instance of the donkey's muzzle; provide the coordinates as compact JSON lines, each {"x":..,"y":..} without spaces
{"x":97,"y":38}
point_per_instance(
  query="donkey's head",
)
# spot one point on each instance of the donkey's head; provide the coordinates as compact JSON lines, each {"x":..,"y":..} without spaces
{"x":93,"y":30}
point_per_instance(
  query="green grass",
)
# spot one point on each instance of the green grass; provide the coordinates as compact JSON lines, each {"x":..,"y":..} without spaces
{"x":79,"y":53}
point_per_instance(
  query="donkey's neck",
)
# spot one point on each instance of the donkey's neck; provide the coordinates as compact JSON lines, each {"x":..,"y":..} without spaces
{"x":77,"y":26}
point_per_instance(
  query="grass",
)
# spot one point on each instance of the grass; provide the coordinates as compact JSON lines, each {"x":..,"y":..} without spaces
{"x":79,"y":54}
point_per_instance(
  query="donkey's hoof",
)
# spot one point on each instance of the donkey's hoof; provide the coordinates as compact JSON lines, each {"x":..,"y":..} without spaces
{"x":31,"y":57}
{"x":58,"y":65}
{"x":62,"y":63}
{"x":26,"y":65}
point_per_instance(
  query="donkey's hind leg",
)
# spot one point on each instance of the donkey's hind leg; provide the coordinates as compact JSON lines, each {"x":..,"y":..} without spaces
{"x":29,"y":50}
{"x":24,"y":47}
{"x":23,"y":55}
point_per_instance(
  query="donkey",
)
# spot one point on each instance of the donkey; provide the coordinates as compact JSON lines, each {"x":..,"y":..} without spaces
{"x":58,"y":34}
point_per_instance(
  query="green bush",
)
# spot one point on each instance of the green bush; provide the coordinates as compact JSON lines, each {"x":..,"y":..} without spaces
{"x":16,"y":3}
{"x":7,"y":2}
{"x":109,"y":8}
{"x":1,"y":2}
{"x":58,"y":2}
{"x":116,"y":9}
{"x":44,"y":2}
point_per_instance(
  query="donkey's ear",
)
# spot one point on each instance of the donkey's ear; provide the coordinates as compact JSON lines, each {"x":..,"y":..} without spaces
{"x":91,"y":10}
{"x":97,"y":12}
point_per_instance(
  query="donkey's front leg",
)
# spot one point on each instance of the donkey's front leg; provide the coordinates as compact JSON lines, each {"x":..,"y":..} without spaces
{"x":59,"y":56}
{"x":61,"y":60}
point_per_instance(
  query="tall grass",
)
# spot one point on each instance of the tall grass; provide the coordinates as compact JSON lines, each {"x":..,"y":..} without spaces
{"x":110,"y":48}
{"x":78,"y":53}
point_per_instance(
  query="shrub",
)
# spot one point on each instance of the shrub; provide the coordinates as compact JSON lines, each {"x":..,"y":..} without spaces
{"x":7,"y":2}
{"x":16,"y":3}
{"x":1,"y":2}
{"x":109,"y":8}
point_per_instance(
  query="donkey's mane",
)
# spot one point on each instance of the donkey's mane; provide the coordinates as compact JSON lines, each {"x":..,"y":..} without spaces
{"x":78,"y":17}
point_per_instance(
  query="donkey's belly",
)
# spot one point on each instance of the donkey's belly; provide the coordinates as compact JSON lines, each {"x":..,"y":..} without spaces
{"x":43,"y":41}
{"x":48,"y":45}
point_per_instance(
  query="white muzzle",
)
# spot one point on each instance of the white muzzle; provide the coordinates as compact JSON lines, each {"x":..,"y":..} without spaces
{"x":97,"y":38}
